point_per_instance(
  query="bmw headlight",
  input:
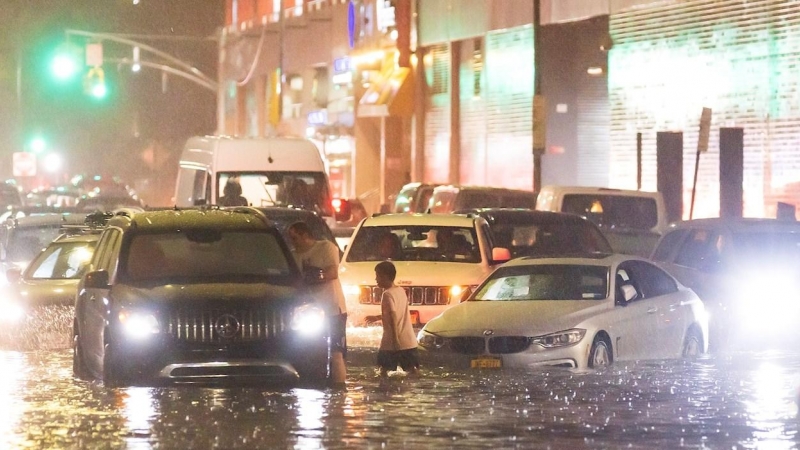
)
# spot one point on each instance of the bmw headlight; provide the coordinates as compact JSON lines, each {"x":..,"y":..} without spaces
{"x":560,"y":339}
{"x":309,"y":320}
{"x":430,"y":341}
{"x":137,"y":324}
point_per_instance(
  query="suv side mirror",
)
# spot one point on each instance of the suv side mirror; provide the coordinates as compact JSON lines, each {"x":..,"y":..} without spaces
{"x":342,"y":209}
{"x":500,"y":255}
{"x":97,"y":279}
{"x":14,"y":274}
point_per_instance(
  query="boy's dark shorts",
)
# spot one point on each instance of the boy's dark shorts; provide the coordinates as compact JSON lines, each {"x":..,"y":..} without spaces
{"x":407,"y":359}
{"x":338,"y":326}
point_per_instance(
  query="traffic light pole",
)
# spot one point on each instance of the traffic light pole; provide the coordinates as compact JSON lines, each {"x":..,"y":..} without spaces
{"x":189,"y":72}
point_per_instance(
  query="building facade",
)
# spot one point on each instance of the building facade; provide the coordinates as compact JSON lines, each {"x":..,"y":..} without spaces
{"x":441,"y":91}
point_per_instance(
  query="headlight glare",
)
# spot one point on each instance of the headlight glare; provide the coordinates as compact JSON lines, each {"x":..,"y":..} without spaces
{"x":560,"y":339}
{"x":138,"y":325}
{"x":308,"y":320}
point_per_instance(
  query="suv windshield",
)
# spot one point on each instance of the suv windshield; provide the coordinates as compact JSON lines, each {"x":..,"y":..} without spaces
{"x":614,"y":211}
{"x":546,"y":282}
{"x":306,"y":190}
{"x":207,"y":254}
{"x":415,"y":243}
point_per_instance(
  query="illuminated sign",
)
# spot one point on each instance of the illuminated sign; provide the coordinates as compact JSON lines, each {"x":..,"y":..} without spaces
{"x":318,"y":117}
{"x":341,"y":65}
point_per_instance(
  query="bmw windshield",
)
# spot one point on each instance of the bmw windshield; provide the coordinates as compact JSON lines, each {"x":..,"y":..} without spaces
{"x":545,"y":282}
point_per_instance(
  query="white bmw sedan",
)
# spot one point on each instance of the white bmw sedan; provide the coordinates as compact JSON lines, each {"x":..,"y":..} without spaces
{"x":570,"y":312}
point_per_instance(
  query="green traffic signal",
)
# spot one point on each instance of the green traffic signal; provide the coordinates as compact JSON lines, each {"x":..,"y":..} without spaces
{"x":38,"y":144}
{"x":99,"y":90}
{"x":64,"y":66}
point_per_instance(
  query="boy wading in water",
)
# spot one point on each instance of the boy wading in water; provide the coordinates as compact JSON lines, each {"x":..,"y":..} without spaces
{"x":399,"y":342}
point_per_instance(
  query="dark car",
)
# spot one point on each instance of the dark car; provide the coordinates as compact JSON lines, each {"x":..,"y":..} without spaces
{"x":200,"y":295}
{"x":541,"y":233}
{"x":746,"y":271}
{"x":283,"y":217}
{"x":9,"y":196}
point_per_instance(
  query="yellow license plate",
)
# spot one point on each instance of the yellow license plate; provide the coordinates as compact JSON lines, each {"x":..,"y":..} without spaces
{"x":486,"y":362}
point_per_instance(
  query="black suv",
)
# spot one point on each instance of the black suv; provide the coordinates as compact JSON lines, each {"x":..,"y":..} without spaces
{"x":541,"y":233}
{"x":196,"y":296}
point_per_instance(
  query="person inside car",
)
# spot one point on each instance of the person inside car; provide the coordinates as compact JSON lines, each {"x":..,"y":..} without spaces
{"x":232,"y":194}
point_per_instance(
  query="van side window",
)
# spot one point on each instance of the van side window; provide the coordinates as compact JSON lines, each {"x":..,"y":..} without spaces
{"x":699,"y":250}
{"x":666,"y":248}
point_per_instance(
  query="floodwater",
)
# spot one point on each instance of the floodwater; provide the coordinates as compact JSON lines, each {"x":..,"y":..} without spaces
{"x":739,"y":400}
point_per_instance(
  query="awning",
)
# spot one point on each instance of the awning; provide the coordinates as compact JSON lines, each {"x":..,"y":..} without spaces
{"x":390,"y":94}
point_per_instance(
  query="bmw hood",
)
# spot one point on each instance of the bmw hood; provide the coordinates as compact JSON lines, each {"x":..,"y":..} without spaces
{"x":520,"y":318}
{"x":200,"y":294}
{"x":417,"y":273}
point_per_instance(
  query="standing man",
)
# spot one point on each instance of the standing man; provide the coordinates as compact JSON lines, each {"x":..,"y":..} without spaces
{"x":324,"y":255}
{"x":399,"y":342}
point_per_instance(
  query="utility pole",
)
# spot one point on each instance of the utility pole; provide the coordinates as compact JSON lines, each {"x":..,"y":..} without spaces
{"x":539,"y":105}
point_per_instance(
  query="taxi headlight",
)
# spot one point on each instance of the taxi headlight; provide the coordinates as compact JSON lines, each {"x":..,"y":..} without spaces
{"x":308,"y":320}
{"x":137,"y":324}
{"x":560,"y":339}
{"x":430,"y":341}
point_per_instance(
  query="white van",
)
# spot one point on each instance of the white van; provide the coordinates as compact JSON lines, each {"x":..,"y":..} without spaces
{"x":271,"y":171}
{"x":632,"y":221}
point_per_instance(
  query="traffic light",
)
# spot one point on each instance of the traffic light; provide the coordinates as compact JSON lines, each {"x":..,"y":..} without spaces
{"x":64,"y":65}
{"x":94,"y":83}
{"x":37,"y":144}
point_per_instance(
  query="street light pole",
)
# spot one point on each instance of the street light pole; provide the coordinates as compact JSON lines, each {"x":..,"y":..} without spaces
{"x":539,"y":124}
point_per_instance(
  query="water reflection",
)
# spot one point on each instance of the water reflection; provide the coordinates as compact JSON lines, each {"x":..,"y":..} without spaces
{"x":769,"y":408}
{"x":139,"y":411}
{"x":12,"y":373}
{"x":310,"y":407}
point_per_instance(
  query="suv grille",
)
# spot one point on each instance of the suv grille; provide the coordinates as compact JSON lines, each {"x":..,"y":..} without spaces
{"x":225,"y":325}
{"x":417,"y":295}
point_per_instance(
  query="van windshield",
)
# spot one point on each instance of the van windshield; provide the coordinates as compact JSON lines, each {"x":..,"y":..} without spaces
{"x":306,"y":190}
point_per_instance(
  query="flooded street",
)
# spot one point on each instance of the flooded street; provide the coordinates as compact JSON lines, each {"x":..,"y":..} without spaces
{"x":743,"y":400}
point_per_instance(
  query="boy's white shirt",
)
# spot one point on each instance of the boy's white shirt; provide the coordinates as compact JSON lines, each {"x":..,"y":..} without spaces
{"x":398,"y":332}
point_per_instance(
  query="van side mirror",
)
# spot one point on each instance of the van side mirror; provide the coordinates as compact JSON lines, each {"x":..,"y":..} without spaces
{"x":97,"y":279}
{"x":500,"y":255}
{"x":14,"y":274}
{"x":342,"y":209}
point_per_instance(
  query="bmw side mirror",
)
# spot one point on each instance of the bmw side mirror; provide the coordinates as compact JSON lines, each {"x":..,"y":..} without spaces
{"x":97,"y":279}
{"x":14,"y":274}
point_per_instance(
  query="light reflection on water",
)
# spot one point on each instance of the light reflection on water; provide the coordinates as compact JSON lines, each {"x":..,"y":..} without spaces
{"x":745,"y":400}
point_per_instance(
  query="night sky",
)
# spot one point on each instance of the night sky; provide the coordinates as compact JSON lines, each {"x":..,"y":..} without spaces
{"x":109,"y":135}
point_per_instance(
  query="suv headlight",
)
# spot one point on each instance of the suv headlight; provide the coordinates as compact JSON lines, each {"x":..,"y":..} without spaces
{"x":309,"y":320}
{"x":560,"y":339}
{"x":430,"y":340}
{"x":138,"y":324}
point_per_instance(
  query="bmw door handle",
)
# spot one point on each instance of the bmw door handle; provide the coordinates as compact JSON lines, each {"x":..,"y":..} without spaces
{"x":652,"y":310}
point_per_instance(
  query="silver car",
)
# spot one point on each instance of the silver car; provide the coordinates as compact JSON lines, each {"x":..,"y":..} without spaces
{"x":570,"y":312}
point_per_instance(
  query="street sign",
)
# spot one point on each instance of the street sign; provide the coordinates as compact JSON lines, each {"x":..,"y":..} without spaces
{"x":94,"y":54}
{"x":705,"y":130}
{"x":24,"y":164}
